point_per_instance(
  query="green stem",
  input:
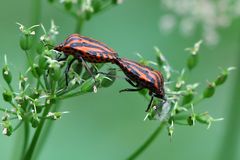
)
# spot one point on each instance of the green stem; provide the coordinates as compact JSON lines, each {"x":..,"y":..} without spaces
{"x":10,"y":87}
{"x":29,"y":59}
{"x":46,"y":131}
{"x":7,"y":111}
{"x":230,"y":146}
{"x":79,"y":25}
{"x":71,"y":95}
{"x":30,"y":151}
{"x":41,"y":84}
{"x":26,"y":136}
{"x":17,"y":126}
{"x":147,"y":143}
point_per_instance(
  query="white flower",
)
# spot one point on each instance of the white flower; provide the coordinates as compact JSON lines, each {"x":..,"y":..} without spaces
{"x":167,"y":22}
{"x":204,"y":13}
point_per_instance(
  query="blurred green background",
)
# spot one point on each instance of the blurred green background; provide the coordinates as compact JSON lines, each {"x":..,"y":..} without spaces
{"x":109,"y":125}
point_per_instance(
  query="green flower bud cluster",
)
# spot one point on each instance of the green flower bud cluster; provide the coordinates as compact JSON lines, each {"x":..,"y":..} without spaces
{"x":193,"y":58}
{"x":85,"y":9}
{"x":44,"y":82}
{"x":27,"y":35}
{"x":182,"y":96}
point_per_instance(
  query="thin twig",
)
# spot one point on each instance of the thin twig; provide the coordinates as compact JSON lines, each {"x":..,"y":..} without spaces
{"x":147,"y":143}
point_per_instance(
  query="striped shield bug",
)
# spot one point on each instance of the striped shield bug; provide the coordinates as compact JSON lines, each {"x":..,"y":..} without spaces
{"x":85,"y":49}
{"x":140,"y":77}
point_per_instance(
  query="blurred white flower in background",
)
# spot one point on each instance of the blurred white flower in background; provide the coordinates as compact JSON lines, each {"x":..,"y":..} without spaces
{"x":208,"y":15}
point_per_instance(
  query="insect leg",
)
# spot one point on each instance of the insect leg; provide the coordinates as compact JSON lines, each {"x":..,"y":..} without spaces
{"x":67,"y":70}
{"x":87,"y":68}
{"x":130,"y":82}
{"x":130,"y":90}
{"x":150,"y":103}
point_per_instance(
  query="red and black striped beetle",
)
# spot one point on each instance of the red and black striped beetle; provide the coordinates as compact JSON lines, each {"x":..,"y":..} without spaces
{"x":85,"y":49}
{"x":144,"y":77}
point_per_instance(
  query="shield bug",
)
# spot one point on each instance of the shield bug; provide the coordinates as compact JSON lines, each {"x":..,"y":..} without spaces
{"x":140,"y":77}
{"x":85,"y":49}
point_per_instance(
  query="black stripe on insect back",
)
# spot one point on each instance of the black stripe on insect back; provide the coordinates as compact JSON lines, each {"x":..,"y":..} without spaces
{"x":140,"y":69}
{"x":158,"y":76}
{"x":96,"y":54}
{"x":83,"y":44}
{"x":95,"y":41}
{"x":73,"y":38}
{"x":142,"y":72}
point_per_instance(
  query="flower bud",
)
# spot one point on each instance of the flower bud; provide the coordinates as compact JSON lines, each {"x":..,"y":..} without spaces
{"x":26,"y":41}
{"x":209,"y":91}
{"x":19,"y":113}
{"x":6,"y":74}
{"x":191,"y":120}
{"x":39,"y":71}
{"x":56,"y":74}
{"x":192,"y":61}
{"x":88,"y":14}
{"x":187,"y":98}
{"x":55,"y":71}
{"x":67,"y":5}
{"x":35,"y":121}
{"x":39,"y":108}
{"x":40,"y":48}
{"x":22,"y":82}
{"x":56,"y":115}
{"x":7,"y":128}
{"x":7,"y":96}
{"x":97,"y":5}
{"x":171,"y":130}
{"x":34,"y":71}
{"x":88,"y":85}
{"x":50,"y":1}
{"x":117,"y":1}
{"x":179,"y":85}
{"x":42,"y":62}
{"x":5,"y":117}
{"x":221,"y":78}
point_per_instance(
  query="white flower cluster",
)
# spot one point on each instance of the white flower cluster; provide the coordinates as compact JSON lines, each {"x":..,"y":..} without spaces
{"x":192,"y":14}
{"x":86,"y":6}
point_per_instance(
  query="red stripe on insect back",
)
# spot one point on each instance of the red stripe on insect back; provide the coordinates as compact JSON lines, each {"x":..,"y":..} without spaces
{"x":146,"y":73}
{"x":100,"y":44}
{"x":86,"y":44}
{"x":87,"y":48}
{"x":144,"y":76}
{"x":158,"y":78}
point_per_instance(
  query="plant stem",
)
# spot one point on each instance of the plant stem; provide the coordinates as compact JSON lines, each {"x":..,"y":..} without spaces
{"x":46,"y":131}
{"x":147,"y":143}
{"x":10,"y":112}
{"x":26,"y":136}
{"x":30,"y":151}
{"x":79,"y":25}
{"x":229,"y":147}
{"x":74,"y":94}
